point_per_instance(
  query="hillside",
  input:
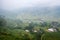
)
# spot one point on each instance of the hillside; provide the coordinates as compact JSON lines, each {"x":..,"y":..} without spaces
{"x":30,"y":13}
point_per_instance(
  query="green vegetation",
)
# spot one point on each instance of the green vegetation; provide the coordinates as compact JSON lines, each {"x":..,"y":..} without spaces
{"x":51,"y":36}
{"x":16,"y":30}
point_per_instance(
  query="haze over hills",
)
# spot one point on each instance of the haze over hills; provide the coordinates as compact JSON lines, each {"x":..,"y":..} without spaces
{"x":46,"y":13}
{"x":31,"y":9}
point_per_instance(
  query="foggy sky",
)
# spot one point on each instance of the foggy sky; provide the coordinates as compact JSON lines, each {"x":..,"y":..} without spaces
{"x":15,"y":4}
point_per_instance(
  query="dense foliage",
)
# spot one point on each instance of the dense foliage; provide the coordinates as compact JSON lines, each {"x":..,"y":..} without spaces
{"x":16,"y":30}
{"x":51,"y":36}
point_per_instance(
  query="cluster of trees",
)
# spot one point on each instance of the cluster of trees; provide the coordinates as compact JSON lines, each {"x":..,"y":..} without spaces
{"x":15,"y":29}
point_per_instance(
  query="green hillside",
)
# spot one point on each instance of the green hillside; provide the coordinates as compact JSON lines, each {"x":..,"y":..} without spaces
{"x":51,"y":36}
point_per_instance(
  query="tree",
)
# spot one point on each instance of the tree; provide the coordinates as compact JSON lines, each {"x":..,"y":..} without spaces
{"x":2,"y":23}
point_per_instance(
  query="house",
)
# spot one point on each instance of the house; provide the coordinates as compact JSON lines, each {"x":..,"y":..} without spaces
{"x":52,"y":30}
{"x":27,"y":31}
{"x":35,"y":31}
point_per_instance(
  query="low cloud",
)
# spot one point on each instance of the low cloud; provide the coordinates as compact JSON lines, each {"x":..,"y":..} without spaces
{"x":14,"y":4}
